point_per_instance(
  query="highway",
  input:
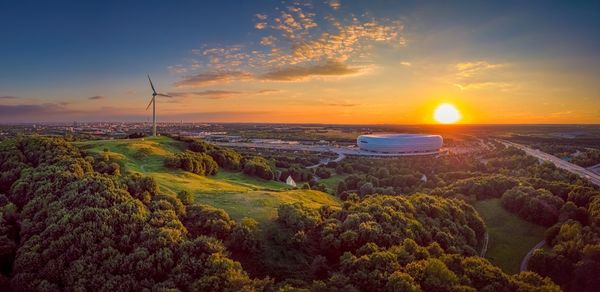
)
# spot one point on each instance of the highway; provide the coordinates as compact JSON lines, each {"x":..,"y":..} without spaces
{"x":570,"y":167}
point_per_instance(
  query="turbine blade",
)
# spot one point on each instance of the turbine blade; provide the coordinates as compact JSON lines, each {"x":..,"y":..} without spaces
{"x":152,"y":100}
{"x":151,"y":85}
{"x":165,"y":95}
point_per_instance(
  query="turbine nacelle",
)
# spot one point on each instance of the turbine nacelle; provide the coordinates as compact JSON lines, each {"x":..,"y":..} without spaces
{"x":153,"y":103}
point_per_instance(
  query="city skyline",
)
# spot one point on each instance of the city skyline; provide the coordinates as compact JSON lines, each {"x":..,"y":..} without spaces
{"x":343,"y":62}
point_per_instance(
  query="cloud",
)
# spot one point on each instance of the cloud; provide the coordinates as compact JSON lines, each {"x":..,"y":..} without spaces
{"x":297,"y":43}
{"x":96,"y":97}
{"x":334,"y":4}
{"x":293,"y":73}
{"x":481,"y":75}
{"x":468,"y":69}
{"x":267,"y":91}
{"x":342,"y":104}
{"x":9,"y":97}
{"x":406,"y":64}
{"x":34,"y":110}
{"x":219,"y":94}
{"x":204,"y":79}
{"x":209,"y":94}
{"x":268,"y":40}
{"x":222,"y":116}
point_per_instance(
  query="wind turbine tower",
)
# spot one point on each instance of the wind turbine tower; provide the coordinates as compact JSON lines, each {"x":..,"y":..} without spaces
{"x":153,"y":103}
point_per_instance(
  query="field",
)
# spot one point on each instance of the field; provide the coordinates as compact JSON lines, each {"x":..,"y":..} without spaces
{"x":332,"y":182}
{"x":510,"y":236}
{"x":238,"y":194}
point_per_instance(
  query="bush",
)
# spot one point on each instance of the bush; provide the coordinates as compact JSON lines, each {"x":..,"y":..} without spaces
{"x":185,"y":197}
{"x":198,"y":163}
{"x":259,"y":167}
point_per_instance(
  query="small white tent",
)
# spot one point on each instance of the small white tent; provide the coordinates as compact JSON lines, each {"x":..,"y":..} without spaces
{"x":290,"y":181}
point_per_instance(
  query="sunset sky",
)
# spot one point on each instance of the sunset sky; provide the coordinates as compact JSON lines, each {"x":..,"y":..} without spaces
{"x":300,"y":61}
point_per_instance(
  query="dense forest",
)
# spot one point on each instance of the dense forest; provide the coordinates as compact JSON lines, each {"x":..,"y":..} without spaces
{"x":70,"y":221}
{"x":537,"y":192}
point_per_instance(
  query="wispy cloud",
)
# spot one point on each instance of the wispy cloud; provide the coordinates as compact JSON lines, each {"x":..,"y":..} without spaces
{"x":209,"y":94}
{"x":8,"y":97}
{"x":267,"y":91}
{"x":204,"y":79}
{"x":341,"y":104}
{"x":334,"y":4}
{"x":34,"y":110}
{"x":297,"y":43}
{"x":96,"y":97}
{"x":481,"y":75}
{"x":220,"y":94}
{"x":293,"y":73}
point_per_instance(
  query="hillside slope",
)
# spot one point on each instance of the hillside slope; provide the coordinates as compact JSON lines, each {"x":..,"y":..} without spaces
{"x":238,"y":194}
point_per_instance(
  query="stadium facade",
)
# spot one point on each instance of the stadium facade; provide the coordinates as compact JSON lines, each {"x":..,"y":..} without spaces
{"x":400,"y":143}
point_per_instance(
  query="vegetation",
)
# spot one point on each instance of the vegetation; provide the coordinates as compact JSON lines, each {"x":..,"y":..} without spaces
{"x":385,"y":243}
{"x":238,"y":194}
{"x":212,"y":218}
{"x":198,"y":163}
{"x":259,"y":167}
{"x":65,"y":226}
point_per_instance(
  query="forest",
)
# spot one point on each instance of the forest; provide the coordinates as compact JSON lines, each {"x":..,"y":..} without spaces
{"x":74,"y":221}
{"x":68,"y":226}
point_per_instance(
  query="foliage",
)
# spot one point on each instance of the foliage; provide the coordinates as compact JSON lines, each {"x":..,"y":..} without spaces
{"x":259,"y":167}
{"x":66,"y":227}
{"x":539,"y":206}
{"x":198,"y":163}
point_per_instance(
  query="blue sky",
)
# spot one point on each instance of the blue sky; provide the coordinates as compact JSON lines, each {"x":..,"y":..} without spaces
{"x":60,"y":53}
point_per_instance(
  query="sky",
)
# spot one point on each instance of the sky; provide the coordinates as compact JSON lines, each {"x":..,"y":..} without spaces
{"x":328,"y":61}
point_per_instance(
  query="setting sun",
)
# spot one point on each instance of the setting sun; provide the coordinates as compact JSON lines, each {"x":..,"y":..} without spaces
{"x":446,"y":114}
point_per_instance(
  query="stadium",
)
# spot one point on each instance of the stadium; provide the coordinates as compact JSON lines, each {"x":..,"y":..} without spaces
{"x":400,"y":143}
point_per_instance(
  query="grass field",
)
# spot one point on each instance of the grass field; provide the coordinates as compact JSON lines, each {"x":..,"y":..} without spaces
{"x":510,"y":236}
{"x":332,"y":182}
{"x":238,"y":194}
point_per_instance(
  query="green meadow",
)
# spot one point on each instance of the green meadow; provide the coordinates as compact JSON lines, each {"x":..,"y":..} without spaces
{"x":238,"y":194}
{"x":510,"y":237}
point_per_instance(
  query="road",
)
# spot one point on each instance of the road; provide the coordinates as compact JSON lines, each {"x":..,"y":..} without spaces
{"x":325,"y":161}
{"x":525,"y":260}
{"x":486,"y":240}
{"x":570,"y":167}
{"x":346,"y":151}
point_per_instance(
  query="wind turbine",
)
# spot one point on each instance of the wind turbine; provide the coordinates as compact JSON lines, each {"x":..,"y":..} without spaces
{"x":153,"y":103}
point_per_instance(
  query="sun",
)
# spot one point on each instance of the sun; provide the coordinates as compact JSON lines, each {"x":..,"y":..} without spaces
{"x":446,"y":114}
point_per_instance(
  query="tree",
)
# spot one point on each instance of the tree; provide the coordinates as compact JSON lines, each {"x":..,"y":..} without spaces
{"x":185,"y":197}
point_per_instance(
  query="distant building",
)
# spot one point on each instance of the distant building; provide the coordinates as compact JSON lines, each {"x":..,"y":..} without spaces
{"x":290,"y":181}
{"x":400,"y":143}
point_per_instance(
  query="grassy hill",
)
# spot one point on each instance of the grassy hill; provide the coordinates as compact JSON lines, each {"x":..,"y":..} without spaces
{"x":238,"y":194}
{"x":510,"y":236}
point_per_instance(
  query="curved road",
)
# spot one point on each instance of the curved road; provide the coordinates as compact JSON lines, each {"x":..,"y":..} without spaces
{"x":486,"y":240}
{"x":326,"y":161}
{"x":525,"y":260}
